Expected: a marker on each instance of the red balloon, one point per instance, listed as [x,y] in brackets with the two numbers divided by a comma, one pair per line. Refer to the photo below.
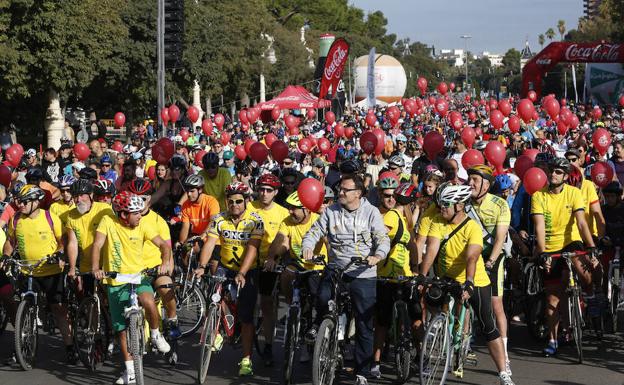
[504,107]
[199,155]
[275,113]
[184,133]
[368,142]
[14,154]
[534,180]
[117,146]
[551,105]
[496,119]
[452,86]
[311,193]
[120,119]
[535,115]
[472,115]
[225,138]
[456,120]
[174,113]
[279,151]
[291,121]
[597,113]
[330,117]
[479,132]
[348,132]
[151,173]
[81,151]
[371,119]
[601,140]
[293,131]
[270,138]
[5,176]
[566,115]
[468,136]
[248,143]
[523,163]
[219,120]
[381,140]
[531,153]
[495,154]
[305,145]
[514,124]
[240,152]
[433,144]
[258,152]
[442,88]
[526,109]
[164,115]
[324,145]
[562,127]
[242,116]
[472,158]
[563,102]
[532,95]
[163,150]
[621,101]
[339,130]
[310,114]
[573,121]
[493,104]
[422,85]
[207,127]
[431,100]
[602,174]
[192,113]
[441,107]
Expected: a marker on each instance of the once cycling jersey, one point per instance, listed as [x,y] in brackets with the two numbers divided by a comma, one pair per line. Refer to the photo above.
[452,257]
[588,191]
[235,236]
[558,211]
[84,227]
[397,263]
[151,253]
[295,233]
[198,213]
[61,209]
[271,220]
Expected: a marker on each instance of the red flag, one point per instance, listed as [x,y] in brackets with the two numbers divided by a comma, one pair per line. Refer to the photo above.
[334,65]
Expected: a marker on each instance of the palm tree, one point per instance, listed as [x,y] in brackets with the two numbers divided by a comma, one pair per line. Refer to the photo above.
[541,39]
[550,34]
[561,27]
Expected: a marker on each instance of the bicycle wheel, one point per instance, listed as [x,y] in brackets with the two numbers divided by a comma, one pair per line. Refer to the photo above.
[576,323]
[615,299]
[435,357]
[91,336]
[402,341]
[259,341]
[134,334]
[4,319]
[190,310]
[535,316]
[26,333]
[208,335]
[325,354]
[290,343]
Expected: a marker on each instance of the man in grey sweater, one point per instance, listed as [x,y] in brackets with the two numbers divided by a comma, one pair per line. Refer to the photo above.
[353,228]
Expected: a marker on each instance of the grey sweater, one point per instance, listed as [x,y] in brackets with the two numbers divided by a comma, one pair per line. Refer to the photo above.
[358,233]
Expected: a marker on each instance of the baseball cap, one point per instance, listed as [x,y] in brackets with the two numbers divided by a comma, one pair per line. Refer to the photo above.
[64,146]
[318,162]
[227,155]
[31,152]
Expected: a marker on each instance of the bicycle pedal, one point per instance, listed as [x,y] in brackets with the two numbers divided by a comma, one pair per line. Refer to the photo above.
[459,373]
[471,361]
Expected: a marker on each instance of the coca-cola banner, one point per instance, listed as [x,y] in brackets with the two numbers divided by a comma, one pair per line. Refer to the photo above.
[334,65]
[570,52]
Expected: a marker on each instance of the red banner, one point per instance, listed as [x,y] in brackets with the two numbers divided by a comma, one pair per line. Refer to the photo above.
[334,65]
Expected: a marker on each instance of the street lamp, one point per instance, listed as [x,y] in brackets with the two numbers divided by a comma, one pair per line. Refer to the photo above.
[466,37]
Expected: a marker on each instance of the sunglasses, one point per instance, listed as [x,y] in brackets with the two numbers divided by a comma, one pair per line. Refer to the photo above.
[388,196]
[346,190]
[326,201]
[265,190]
[557,171]
[105,165]
[235,201]
[393,167]
[445,205]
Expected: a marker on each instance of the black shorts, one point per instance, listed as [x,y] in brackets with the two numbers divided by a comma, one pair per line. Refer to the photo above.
[4,280]
[216,253]
[247,295]
[558,265]
[266,282]
[52,286]
[481,302]
[387,294]
[497,277]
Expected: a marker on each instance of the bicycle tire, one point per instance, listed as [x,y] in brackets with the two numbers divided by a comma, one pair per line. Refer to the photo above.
[465,341]
[325,354]
[436,345]
[26,333]
[577,327]
[190,311]
[91,337]
[402,338]
[259,342]
[536,317]
[290,343]
[615,299]
[208,335]
[135,338]
[4,319]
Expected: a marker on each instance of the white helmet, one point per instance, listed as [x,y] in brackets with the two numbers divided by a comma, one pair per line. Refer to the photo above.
[455,193]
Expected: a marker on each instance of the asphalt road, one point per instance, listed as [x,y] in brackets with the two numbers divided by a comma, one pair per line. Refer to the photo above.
[604,364]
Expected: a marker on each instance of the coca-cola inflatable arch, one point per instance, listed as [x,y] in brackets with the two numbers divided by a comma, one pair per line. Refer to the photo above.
[567,52]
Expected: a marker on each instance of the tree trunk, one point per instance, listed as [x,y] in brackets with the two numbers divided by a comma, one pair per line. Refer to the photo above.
[54,122]
[208,106]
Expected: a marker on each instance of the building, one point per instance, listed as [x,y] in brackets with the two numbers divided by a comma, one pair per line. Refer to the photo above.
[496,60]
[454,57]
[525,55]
[591,8]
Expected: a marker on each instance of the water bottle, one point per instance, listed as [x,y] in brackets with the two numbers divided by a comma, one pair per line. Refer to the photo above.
[342,325]
[228,320]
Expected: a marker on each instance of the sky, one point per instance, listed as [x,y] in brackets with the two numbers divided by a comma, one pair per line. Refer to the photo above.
[495,25]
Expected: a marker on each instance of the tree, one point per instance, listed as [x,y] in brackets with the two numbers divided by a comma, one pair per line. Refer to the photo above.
[541,40]
[561,27]
[511,62]
[550,34]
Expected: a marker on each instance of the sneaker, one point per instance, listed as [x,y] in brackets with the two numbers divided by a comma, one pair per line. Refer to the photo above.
[71,355]
[376,371]
[218,343]
[550,349]
[161,343]
[174,329]
[505,379]
[245,367]
[304,356]
[360,380]
[310,336]
[508,368]
[12,360]
[126,379]
[267,355]
[347,353]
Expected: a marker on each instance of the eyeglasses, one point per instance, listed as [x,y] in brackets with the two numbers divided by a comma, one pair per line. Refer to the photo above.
[266,190]
[105,165]
[327,201]
[346,190]
[394,167]
[572,160]
[557,171]
[445,205]
[235,201]
[388,196]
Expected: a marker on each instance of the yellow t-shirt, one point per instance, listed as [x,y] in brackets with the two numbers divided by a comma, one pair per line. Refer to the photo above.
[452,259]
[271,221]
[397,263]
[123,250]
[84,227]
[62,209]
[492,211]
[234,237]
[3,237]
[430,215]
[216,187]
[590,196]
[151,252]
[295,233]
[34,238]
[558,211]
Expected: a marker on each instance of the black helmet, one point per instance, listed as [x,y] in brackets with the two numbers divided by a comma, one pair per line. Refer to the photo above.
[544,157]
[210,160]
[178,162]
[561,163]
[350,166]
[34,174]
[81,186]
[613,188]
[88,173]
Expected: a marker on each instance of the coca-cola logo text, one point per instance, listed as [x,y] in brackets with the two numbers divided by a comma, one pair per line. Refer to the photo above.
[336,63]
[599,53]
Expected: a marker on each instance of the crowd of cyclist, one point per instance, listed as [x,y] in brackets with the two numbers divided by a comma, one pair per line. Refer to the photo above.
[401,212]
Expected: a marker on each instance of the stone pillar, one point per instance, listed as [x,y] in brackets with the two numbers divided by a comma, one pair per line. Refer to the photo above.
[54,121]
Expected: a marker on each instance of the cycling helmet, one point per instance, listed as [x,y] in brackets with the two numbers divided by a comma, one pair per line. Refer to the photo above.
[350,166]
[30,192]
[140,186]
[237,188]
[34,174]
[178,162]
[613,188]
[88,173]
[82,186]
[433,169]
[193,181]
[480,145]
[406,193]
[503,182]
[210,160]
[103,187]
[128,202]
[397,160]
[329,193]
[388,183]
[269,180]
[575,177]
[66,181]
[454,193]
[544,157]
[17,187]
[483,171]
[293,200]
[105,159]
[561,163]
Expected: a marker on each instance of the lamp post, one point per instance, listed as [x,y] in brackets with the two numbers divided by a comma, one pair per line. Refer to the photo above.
[466,37]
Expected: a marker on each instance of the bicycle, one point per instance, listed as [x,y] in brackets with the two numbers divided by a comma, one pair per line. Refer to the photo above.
[334,327]
[614,280]
[259,330]
[534,300]
[190,300]
[447,336]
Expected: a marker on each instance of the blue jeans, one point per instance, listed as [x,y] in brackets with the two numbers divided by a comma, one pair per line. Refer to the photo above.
[363,294]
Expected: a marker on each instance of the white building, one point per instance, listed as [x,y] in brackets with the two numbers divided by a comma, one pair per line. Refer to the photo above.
[454,57]
[496,60]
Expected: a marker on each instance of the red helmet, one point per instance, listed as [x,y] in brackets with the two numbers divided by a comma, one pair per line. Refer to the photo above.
[129,202]
[575,177]
[269,180]
[237,188]
[140,186]
[406,193]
